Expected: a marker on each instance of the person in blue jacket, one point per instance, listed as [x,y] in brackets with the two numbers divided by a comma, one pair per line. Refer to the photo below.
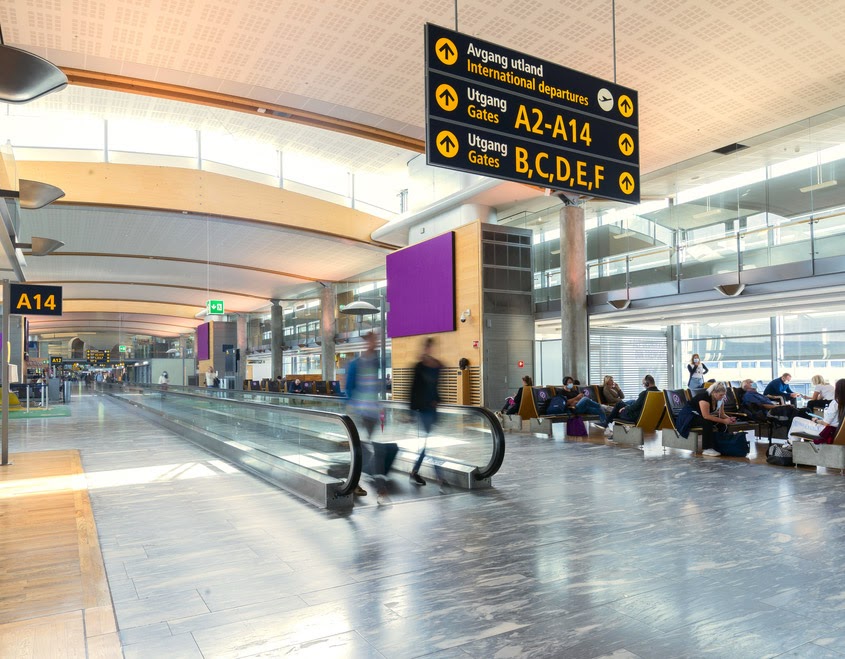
[779,388]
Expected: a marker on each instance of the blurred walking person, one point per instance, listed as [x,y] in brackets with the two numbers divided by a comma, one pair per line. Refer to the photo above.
[424,399]
[362,389]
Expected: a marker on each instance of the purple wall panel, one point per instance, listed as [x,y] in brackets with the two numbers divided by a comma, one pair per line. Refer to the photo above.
[202,342]
[421,288]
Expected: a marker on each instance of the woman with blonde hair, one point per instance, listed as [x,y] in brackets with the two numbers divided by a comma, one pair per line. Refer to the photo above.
[822,393]
[611,392]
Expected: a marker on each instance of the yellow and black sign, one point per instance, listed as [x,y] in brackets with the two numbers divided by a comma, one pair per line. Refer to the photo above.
[496,112]
[98,356]
[56,360]
[30,300]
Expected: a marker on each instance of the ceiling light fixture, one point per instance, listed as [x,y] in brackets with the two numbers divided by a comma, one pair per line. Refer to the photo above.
[819,186]
[35,194]
[710,212]
[25,76]
[359,308]
[41,246]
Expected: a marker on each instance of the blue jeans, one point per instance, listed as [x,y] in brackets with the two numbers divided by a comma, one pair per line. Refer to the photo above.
[589,406]
[427,419]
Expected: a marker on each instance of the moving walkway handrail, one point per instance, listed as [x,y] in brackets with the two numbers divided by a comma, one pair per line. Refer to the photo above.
[497,455]
[355,461]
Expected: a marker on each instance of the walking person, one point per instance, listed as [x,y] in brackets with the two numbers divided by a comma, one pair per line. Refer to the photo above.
[424,399]
[362,389]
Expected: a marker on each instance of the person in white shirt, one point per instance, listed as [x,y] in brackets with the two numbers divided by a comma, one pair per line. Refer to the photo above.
[822,394]
[832,416]
[210,376]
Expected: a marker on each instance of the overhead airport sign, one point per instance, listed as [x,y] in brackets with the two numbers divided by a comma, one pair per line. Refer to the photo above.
[497,112]
[98,356]
[56,360]
[29,300]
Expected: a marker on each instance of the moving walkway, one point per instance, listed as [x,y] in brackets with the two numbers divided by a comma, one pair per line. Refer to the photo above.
[311,445]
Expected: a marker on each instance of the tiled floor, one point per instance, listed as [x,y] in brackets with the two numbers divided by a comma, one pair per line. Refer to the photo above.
[580,550]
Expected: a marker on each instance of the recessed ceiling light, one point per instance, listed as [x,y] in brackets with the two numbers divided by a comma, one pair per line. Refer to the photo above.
[819,186]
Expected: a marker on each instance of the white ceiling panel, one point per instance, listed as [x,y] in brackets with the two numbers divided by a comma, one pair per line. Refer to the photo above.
[708,74]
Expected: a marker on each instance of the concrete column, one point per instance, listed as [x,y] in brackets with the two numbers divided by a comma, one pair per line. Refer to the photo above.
[277,337]
[328,328]
[573,293]
[241,344]
[183,358]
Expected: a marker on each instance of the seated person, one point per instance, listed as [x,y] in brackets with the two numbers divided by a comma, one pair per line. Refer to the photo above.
[832,418]
[611,392]
[751,398]
[705,409]
[779,389]
[580,404]
[822,394]
[297,387]
[511,405]
[630,410]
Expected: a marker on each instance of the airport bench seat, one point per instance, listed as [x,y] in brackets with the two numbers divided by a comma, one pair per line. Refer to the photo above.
[831,456]
[650,417]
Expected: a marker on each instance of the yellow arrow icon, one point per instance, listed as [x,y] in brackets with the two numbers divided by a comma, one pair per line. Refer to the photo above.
[626,144]
[446,51]
[447,144]
[447,97]
[626,182]
[625,105]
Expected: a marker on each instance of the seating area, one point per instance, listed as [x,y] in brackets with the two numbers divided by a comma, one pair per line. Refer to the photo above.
[657,421]
[534,403]
[831,456]
[308,385]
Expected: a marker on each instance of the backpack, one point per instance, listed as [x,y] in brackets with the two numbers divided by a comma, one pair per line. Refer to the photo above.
[779,454]
[731,443]
[557,405]
[216,382]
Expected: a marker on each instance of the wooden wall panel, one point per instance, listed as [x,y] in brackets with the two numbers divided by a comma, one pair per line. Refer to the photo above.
[173,188]
[450,347]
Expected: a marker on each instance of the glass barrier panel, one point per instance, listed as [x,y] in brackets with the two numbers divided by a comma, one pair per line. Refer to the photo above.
[654,267]
[829,237]
[709,257]
[314,441]
[607,275]
[786,243]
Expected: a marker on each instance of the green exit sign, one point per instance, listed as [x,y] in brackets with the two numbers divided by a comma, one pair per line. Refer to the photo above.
[121,348]
[215,307]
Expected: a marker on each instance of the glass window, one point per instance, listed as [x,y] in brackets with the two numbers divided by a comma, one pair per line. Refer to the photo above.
[150,137]
[315,173]
[67,133]
[246,154]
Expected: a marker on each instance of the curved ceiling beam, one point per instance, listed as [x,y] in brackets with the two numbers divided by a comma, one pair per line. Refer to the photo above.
[224,101]
[176,259]
[203,194]
[96,282]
